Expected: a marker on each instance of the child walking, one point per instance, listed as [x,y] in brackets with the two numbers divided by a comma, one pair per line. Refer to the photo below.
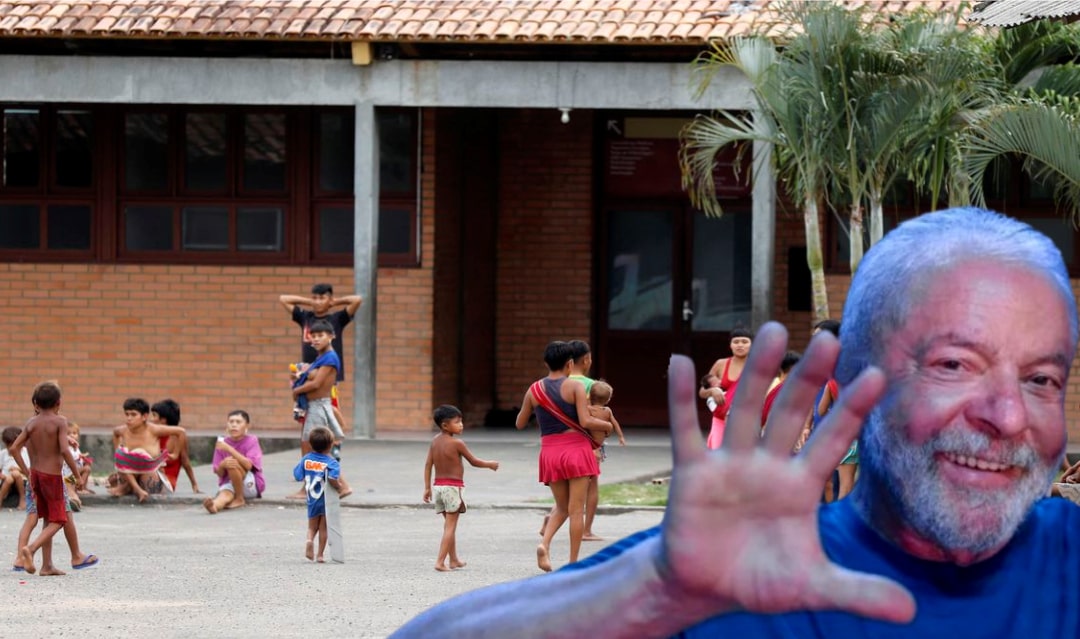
[45,437]
[445,455]
[316,469]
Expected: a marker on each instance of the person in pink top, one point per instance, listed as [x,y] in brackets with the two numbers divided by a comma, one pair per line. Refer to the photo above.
[238,465]
[728,370]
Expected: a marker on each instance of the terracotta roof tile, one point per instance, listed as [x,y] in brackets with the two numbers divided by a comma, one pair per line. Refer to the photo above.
[596,21]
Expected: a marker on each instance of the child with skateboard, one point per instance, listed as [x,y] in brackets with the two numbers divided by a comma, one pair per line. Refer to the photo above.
[316,469]
[445,455]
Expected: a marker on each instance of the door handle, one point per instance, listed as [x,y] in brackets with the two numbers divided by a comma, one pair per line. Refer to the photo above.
[687,312]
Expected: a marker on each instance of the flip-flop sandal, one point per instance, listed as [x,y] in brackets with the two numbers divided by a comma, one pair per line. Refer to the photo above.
[91,560]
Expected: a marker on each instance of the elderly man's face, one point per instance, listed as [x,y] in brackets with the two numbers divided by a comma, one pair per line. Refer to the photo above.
[973,426]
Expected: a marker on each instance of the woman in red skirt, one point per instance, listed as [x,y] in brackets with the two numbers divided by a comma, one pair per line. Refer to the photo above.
[567,461]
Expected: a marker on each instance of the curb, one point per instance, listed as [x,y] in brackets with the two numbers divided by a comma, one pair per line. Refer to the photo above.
[196,500]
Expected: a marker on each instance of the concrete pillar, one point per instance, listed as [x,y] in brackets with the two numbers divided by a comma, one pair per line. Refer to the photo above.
[763,234]
[365,268]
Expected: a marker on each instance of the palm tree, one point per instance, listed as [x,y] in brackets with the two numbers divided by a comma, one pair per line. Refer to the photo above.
[789,115]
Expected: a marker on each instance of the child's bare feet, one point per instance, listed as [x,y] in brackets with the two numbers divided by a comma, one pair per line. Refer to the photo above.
[237,502]
[542,559]
[51,571]
[441,568]
[142,495]
[26,558]
[589,536]
[309,550]
[320,560]
[21,506]
[210,506]
[457,564]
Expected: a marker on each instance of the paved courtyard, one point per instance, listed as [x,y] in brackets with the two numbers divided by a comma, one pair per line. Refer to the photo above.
[168,569]
[174,571]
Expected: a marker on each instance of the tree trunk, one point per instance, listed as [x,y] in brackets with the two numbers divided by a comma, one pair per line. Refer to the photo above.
[877,221]
[813,259]
[855,244]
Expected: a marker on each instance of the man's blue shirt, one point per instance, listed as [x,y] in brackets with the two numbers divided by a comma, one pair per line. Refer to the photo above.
[1029,590]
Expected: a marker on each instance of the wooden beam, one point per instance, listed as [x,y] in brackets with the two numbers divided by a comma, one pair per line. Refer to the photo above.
[361,53]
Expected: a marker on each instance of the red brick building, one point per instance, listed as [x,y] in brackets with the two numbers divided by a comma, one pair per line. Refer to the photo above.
[489,176]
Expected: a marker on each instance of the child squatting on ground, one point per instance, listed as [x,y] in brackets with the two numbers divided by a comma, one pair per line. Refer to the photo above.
[45,438]
[445,454]
[238,465]
[138,453]
[316,469]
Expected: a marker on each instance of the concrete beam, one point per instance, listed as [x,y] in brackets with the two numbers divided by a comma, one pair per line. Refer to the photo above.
[427,83]
[361,53]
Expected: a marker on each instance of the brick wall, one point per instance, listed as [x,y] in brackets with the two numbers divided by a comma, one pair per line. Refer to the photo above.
[544,277]
[212,337]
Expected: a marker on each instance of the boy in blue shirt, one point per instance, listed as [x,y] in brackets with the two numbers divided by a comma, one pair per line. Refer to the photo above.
[316,469]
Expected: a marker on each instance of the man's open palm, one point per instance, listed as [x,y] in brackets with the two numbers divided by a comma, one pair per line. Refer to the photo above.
[741,527]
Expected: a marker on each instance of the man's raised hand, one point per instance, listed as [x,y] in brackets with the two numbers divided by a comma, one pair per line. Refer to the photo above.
[741,527]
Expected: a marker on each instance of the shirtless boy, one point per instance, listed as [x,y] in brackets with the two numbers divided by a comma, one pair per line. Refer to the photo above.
[167,412]
[445,454]
[45,437]
[138,454]
[318,384]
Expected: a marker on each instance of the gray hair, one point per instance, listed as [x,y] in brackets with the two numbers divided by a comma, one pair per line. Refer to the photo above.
[879,299]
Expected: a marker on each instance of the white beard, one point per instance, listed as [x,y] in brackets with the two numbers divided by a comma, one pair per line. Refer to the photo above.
[955,518]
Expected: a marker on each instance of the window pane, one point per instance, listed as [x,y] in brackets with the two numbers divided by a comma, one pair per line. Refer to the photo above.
[395,231]
[640,270]
[19,226]
[74,149]
[68,226]
[204,152]
[258,229]
[336,153]
[264,152]
[146,151]
[148,228]
[397,144]
[206,228]
[720,295]
[21,147]
[336,230]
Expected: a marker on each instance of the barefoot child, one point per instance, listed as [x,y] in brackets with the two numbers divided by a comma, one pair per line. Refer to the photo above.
[167,412]
[317,384]
[238,465]
[46,439]
[445,454]
[316,469]
[139,455]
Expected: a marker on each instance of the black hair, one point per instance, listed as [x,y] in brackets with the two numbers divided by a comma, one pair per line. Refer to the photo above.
[136,404]
[242,413]
[741,332]
[10,434]
[831,325]
[168,410]
[321,326]
[578,349]
[705,380]
[46,395]
[445,413]
[791,358]
[557,354]
[321,439]
[322,289]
